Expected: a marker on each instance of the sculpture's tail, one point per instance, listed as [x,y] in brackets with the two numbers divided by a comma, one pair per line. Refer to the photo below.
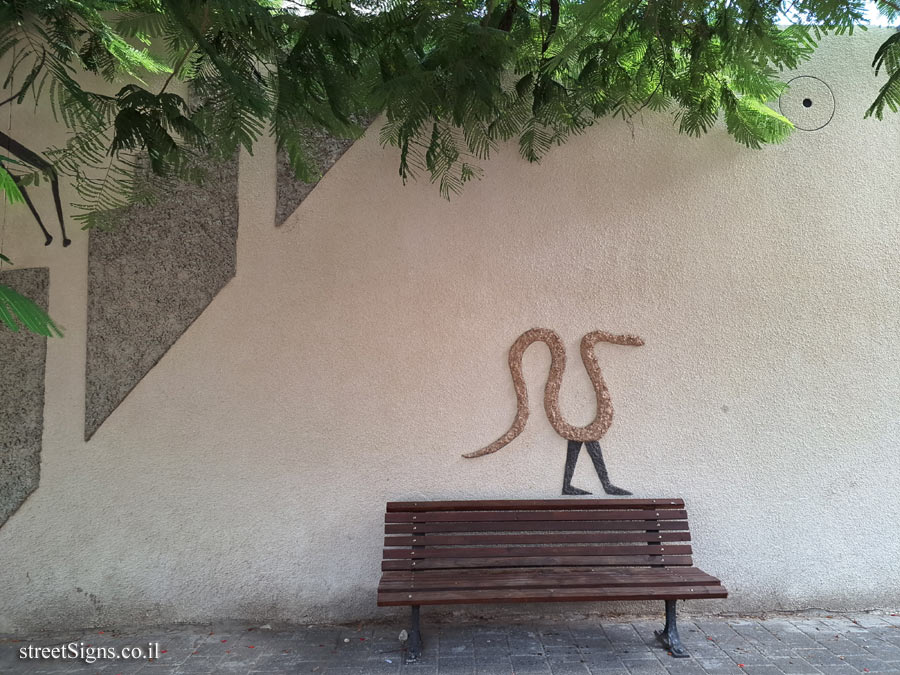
[515,368]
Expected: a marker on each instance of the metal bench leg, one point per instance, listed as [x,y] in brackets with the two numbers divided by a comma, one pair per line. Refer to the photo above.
[668,636]
[414,642]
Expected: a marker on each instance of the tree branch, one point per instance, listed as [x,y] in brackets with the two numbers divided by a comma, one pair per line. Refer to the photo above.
[554,22]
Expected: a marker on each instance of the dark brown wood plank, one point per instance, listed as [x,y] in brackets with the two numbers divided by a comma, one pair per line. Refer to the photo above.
[415,527]
[534,504]
[503,572]
[549,595]
[520,516]
[537,561]
[595,579]
[580,538]
[519,551]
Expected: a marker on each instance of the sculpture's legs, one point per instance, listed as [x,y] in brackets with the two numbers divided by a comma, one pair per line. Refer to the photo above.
[668,636]
[42,164]
[593,448]
[571,458]
[414,642]
[54,184]
[47,236]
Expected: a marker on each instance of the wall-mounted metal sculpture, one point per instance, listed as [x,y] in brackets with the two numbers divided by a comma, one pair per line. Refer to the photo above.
[35,160]
[590,434]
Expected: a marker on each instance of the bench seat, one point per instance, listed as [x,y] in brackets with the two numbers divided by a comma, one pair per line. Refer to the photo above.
[559,584]
[554,550]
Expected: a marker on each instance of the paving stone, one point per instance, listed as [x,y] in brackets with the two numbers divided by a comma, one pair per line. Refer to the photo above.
[684,667]
[795,666]
[456,665]
[492,668]
[522,664]
[884,651]
[570,668]
[766,669]
[644,667]
[721,667]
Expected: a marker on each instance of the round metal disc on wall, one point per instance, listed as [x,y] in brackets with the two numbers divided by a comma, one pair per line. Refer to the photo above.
[808,103]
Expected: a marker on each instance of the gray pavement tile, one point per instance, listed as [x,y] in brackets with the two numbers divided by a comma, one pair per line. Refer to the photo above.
[868,663]
[795,666]
[644,667]
[569,668]
[529,665]
[884,651]
[607,667]
[196,665]
[721,667]
[684,667]
[843,669]
[767,669]
[492,669]
[867,620]
[820,657]
[748,655]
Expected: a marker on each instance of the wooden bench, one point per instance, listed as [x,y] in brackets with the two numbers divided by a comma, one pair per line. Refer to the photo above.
[554,550]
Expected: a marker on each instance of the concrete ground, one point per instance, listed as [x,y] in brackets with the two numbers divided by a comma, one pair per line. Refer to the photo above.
[801,644]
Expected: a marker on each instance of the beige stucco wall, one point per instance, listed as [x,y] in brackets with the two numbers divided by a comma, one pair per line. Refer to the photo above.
[362,348]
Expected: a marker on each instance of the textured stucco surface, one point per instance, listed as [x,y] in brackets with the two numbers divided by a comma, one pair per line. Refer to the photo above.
[361,348]
[22,356]
[150,278]
[324,149]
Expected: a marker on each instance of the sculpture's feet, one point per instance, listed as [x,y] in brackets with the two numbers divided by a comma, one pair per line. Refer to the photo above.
[670,640]
[611,489]
[569,490]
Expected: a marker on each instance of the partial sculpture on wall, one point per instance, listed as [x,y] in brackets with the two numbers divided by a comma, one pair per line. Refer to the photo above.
[589,435]
[22,358]
[150,279]
[32,159]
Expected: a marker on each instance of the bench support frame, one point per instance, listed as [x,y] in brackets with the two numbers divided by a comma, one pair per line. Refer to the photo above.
[414,642]
[668,636]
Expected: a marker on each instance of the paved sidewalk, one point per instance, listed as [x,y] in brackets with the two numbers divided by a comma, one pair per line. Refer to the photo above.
[805,645]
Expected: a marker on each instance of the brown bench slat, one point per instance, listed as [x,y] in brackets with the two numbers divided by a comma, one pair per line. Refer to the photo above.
[535,504]
[593,579]
[400,575]
[518,551]
[519,516]
[416,527]
[549,595]
[537,561]
[544,538]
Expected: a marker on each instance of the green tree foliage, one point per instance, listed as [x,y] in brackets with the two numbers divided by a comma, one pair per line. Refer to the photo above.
[455,79]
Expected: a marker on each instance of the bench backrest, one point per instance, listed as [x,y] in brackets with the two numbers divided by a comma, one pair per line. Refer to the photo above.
[536,533]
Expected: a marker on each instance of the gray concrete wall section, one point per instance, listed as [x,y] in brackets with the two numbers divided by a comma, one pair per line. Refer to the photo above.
[149,279]
[22,358]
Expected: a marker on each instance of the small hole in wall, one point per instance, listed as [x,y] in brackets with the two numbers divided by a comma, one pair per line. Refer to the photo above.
[807,103]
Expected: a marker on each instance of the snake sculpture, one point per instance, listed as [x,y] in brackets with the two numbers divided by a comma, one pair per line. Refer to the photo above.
[588,435]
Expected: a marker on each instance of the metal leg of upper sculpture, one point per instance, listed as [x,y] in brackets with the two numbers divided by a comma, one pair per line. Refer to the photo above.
[668,636]
[593,448]
[571,458]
